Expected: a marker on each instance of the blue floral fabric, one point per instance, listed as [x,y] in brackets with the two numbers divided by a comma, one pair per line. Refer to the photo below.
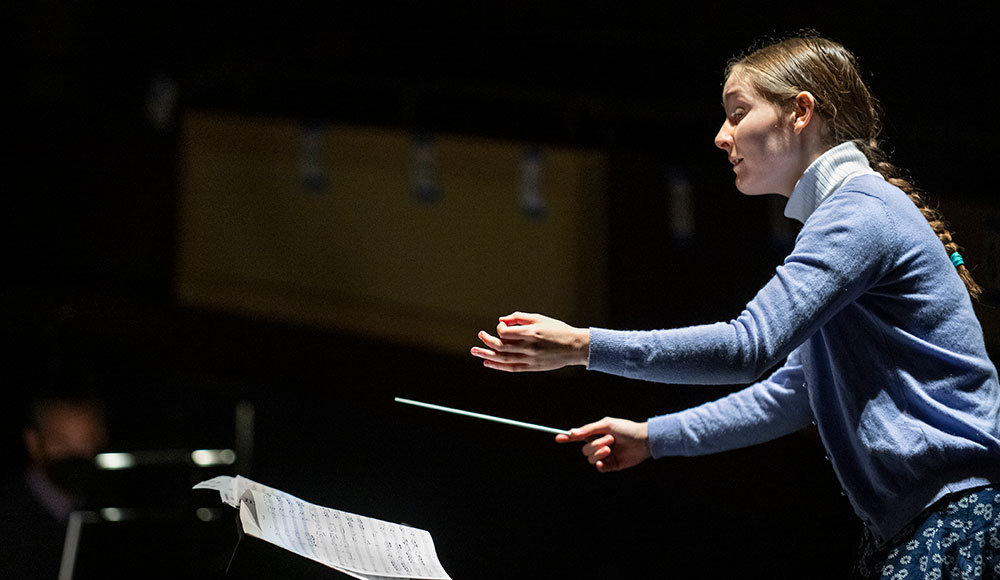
[957,539]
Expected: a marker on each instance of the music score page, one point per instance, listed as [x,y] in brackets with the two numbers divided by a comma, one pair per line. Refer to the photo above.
[362,547]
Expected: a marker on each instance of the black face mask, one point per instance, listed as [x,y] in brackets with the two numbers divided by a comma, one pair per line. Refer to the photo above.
[76,475]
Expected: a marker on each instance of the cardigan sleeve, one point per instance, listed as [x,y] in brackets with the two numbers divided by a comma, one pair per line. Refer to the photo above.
[774,407]
[842,250]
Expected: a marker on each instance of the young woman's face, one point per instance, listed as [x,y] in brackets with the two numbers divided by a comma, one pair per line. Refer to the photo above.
[760,141]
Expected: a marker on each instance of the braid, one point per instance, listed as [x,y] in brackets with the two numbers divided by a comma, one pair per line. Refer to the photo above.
[895,176]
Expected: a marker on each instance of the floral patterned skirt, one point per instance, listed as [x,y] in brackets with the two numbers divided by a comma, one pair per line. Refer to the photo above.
[957,539]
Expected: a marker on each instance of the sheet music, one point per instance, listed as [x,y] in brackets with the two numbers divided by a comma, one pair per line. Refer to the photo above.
[231,489]
[363,547]
[225,485]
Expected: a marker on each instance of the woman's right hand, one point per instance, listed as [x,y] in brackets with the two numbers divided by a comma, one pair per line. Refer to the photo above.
[533,342]
[611,444]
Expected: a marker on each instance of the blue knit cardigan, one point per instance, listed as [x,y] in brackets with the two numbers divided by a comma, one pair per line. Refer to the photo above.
[882,352]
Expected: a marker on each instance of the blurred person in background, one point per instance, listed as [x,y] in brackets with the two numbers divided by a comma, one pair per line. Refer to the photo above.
[63,433]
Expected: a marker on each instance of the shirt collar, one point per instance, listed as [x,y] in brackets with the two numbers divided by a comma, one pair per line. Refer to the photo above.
[823,176]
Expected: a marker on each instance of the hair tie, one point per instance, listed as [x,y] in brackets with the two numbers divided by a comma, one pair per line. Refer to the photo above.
[956,259]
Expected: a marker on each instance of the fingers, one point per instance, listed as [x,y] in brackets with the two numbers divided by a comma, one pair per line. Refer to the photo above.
[513,332]
[589,430]
[599,449]
[490,340]
[598,444]
[606,466]
[610,444]
[503,345]
[509,367]
[531,342]
[501,355]
[596,449]
[519,319]
[498,360]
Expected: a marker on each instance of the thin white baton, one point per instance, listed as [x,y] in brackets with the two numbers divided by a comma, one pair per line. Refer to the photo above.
[485,417]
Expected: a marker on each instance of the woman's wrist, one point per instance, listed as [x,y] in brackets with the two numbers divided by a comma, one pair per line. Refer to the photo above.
[581,345]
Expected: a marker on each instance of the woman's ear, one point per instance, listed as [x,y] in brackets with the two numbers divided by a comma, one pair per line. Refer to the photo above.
[804,110]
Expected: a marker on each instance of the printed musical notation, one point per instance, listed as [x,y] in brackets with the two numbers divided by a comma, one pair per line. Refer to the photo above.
[363,547]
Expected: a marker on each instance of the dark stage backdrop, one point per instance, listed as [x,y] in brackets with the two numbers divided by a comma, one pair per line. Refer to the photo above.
[90,233]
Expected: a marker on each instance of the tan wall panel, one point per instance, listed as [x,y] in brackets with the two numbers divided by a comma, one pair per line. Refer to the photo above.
[364,255]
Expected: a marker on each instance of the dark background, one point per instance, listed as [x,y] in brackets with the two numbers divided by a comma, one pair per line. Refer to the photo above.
[89,235]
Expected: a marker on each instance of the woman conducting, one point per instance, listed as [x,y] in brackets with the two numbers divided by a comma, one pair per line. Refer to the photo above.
[871,313]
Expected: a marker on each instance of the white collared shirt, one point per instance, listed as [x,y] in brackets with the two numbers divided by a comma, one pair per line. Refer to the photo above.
[823,176]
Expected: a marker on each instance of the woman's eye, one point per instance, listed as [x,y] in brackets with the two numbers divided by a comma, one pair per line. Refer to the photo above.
[738,114]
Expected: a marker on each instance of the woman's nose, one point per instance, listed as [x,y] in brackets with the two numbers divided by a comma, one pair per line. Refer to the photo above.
[724,139]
